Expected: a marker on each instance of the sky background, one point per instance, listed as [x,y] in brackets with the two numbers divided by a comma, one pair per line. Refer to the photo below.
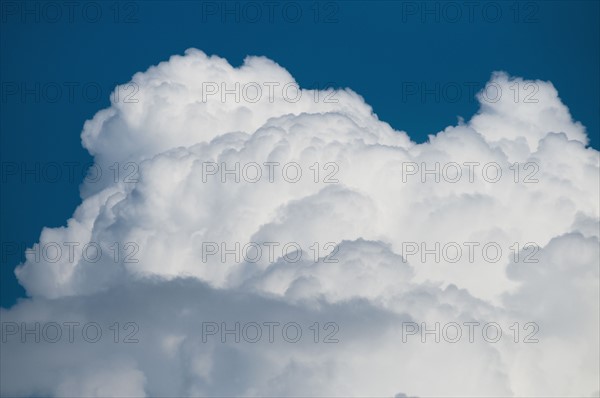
[376,48]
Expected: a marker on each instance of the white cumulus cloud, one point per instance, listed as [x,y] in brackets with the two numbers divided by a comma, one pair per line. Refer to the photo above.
[361,236]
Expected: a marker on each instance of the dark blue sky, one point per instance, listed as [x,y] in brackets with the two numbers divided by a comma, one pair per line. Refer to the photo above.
[59,65]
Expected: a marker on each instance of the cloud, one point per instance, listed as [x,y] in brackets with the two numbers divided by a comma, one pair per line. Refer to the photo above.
[337,220]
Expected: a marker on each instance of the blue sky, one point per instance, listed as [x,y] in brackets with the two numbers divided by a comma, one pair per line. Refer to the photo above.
[379,49]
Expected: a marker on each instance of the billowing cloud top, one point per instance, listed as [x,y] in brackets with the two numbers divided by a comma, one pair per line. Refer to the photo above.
[362,215]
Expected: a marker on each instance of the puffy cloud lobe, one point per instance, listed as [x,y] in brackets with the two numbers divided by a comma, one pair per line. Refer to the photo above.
[175,108]
[515,112]
[368,216]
